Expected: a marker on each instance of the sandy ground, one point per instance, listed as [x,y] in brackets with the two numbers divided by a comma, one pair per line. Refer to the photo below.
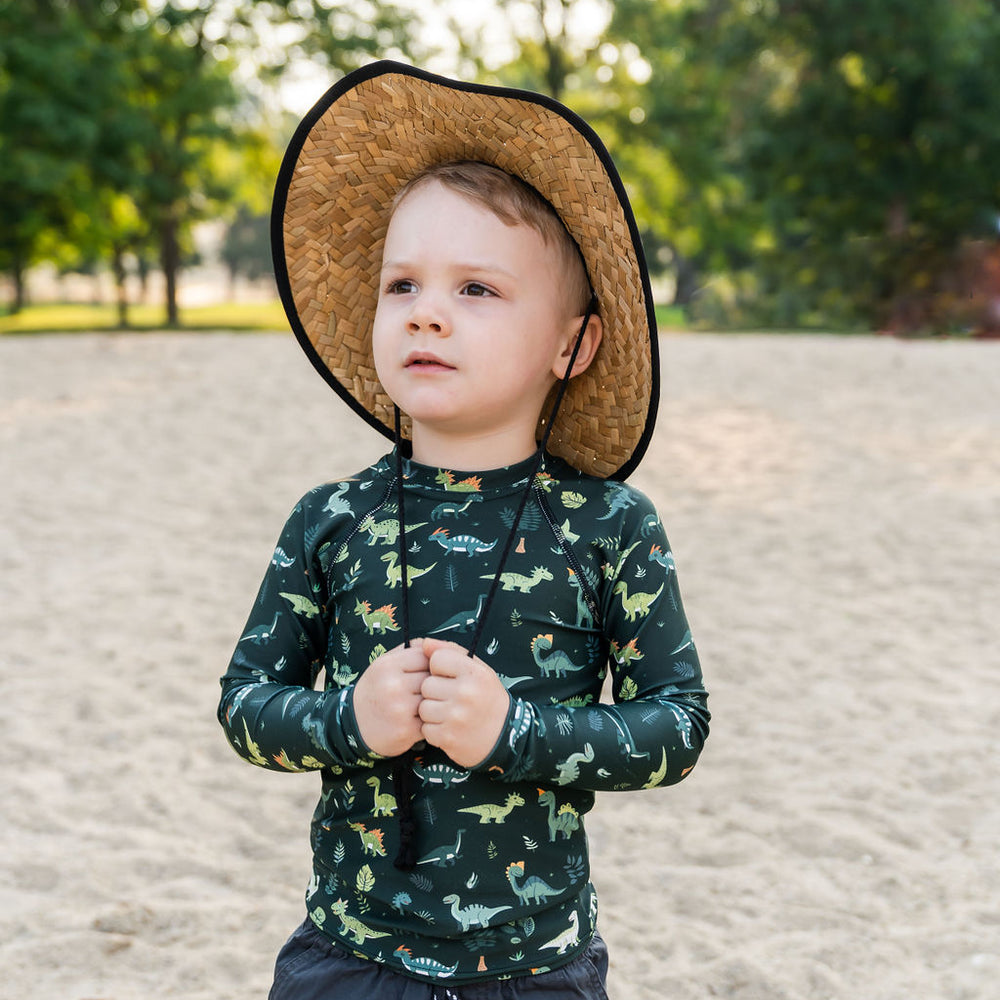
[833,505]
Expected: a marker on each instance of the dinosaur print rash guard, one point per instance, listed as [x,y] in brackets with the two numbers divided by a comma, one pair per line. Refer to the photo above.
[501,886]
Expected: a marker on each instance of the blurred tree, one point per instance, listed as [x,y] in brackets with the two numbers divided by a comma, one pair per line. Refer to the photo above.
[875,152]
[48,114]
[246,249]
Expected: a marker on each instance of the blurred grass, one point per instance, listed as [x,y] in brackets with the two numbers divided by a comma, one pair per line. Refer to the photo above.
[248,316]
[77,318]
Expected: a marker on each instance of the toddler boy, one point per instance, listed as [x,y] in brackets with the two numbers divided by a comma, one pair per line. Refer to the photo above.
[461,264]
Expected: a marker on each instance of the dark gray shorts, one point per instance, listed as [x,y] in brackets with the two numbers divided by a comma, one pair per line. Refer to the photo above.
[309,967]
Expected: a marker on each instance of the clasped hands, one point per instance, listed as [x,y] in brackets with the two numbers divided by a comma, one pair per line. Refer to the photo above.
[434,691]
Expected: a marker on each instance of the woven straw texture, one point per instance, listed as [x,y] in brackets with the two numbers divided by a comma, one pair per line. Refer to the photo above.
[380,134]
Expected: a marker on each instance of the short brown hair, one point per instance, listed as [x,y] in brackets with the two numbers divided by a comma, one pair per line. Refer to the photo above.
[513,202]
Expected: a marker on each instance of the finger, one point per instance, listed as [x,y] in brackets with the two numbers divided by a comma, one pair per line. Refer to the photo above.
[431,712]
[449,663]
[431,646]
[436,688]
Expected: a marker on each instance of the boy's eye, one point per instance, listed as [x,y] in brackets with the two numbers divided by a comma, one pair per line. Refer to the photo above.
[474,288]
[402,286]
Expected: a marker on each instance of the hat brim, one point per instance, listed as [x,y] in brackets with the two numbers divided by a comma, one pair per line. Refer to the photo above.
[374,131]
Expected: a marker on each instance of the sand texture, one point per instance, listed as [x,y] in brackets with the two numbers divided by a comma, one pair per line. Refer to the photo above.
[834,509]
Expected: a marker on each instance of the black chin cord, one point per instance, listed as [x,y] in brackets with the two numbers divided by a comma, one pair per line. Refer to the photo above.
[402,769]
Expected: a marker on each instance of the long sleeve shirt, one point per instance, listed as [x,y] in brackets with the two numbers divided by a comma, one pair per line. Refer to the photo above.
[501,886]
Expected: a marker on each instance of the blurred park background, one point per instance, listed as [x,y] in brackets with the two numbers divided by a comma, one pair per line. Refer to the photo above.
[794,164]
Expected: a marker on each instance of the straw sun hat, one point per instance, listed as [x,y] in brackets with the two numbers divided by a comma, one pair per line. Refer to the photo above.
[379,127]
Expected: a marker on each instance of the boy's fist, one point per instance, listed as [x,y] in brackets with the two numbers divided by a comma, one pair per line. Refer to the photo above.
[387,700]
[464,704]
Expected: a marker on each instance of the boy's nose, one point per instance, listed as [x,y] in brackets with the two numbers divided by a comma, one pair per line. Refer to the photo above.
[425,316]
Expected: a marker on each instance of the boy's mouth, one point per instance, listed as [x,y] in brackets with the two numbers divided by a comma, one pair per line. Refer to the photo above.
[423,361]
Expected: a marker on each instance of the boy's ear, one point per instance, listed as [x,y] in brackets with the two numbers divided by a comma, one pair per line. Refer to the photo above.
[589,344]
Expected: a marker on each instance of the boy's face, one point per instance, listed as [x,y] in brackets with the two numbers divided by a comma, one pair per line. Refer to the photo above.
[471,323]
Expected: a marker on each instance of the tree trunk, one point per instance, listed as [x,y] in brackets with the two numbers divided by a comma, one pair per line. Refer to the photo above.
[118,269]
[170,262]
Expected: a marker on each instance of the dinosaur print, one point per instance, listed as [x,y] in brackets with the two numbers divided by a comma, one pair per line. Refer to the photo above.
[467,544]
[568,939]
[401,901]
[522,584]
[424,966]
[569,769]
[656,777]
[636,605]
[262,633]
[566,821]
[626,741]
[665,559]
[372,841]
[618,499]
[386,531]
[438,774]
[336,504]
[394,572]
[463,621]
[385,803]
[446,479]
[453,509]
[349,925]
[341,674]
[281,559]
[253,749]
[473,915]
[446,854]
[624,655]
[490,812]
[532,889]
[301,605]
[584,618]
[380,620]
[556,663]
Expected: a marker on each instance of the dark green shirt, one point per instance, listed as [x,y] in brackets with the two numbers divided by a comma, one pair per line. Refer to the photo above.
[501,886]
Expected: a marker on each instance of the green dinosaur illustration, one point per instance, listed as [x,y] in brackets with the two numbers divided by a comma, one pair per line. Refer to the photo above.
[424,966]
[385,803]
[438,774]
[557,663]
[473,915]
[253,749]
[618,498]
[446,854]
[569,769]
[531,890]
[352,926]
[636,605]
[371,840]
[656,777]
[394,572]
[446,479]
[566,821]
[386,531]
[341,674]
[625,654]
[490,812]
[584,618]
[519,582]
[336,504]
[448,509]
[301,605]
[568,939]
[467,544]
[380,620]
